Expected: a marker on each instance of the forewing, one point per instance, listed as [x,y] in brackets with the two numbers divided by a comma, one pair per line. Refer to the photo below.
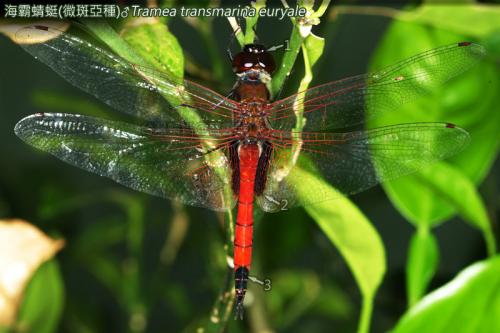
[351,101]
[168,163]
[140,91]
[355,161]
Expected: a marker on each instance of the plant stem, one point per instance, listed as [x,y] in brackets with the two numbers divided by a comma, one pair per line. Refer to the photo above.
[288,61]
[366,314]
[491,246]
[238,33]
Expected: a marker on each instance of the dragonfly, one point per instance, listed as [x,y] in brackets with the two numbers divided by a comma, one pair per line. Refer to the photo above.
[244,149]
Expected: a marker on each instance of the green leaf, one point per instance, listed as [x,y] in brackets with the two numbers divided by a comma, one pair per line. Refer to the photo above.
[142,53]
[43,301]
[154,43]
[422,263]
[315,46]
[466,101]
[110,37]
[358,242]
[453,186]
[470,303]
[473,20]
[353,235]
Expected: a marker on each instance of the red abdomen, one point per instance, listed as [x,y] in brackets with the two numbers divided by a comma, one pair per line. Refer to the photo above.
[248,161]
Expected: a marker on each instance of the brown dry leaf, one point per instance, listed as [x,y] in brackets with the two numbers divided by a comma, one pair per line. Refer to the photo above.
[23,248]
[11,30]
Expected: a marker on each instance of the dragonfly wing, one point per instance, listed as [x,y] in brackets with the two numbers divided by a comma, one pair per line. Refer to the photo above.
[353,100]
[355,161]
[166,163]
[140,91]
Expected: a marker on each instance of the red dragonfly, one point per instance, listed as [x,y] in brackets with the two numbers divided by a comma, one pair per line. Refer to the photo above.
[207,150]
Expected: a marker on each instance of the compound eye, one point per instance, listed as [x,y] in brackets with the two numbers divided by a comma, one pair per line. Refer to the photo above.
[253,56]
[266,61]
[243,61]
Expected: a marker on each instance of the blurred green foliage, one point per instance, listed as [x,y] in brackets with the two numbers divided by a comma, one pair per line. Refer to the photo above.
[430,197]
[38,312]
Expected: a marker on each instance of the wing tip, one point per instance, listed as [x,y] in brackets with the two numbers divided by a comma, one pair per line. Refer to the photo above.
[20,125]
[463,138]
[21,129]
[474,48]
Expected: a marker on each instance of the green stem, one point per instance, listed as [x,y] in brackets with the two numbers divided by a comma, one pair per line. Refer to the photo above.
[223,306]
[491,245]
[304,84]
[132,272]
[251,22]
[322,8]
[288,61]
[366,314]
[222,309]
[422,262]
[238,33]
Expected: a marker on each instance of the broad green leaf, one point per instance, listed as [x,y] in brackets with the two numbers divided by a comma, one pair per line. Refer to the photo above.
[470,303]
[110,37]
[422,263]
[43,301]
[154,42]
[353,235]
[473,20]
[467,101]
[453,186]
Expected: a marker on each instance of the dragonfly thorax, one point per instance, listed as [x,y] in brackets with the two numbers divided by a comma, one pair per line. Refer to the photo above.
[252,129]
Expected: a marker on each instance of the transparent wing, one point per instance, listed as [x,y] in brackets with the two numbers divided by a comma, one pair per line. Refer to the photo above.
[351,101]
[142,92]
[355,161]
[170,163]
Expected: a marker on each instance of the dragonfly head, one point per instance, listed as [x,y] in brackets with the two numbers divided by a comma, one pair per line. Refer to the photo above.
[254,57]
